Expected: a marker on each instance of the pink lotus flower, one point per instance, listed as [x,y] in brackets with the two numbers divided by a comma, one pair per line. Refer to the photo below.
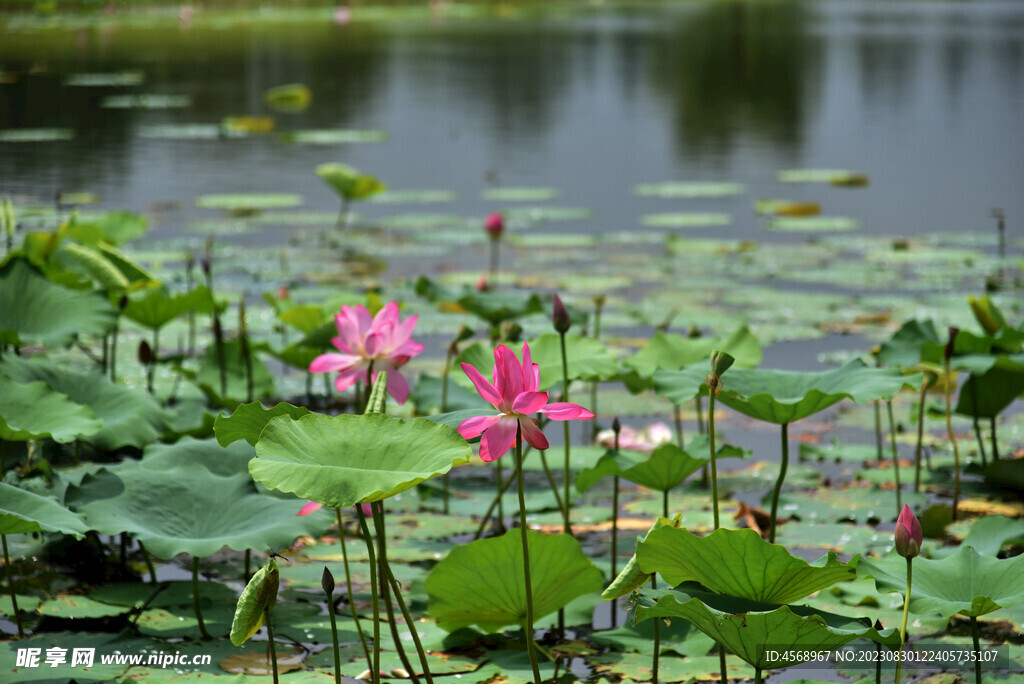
[314,506]
[495,226]
[382,340]
[514,392]
[630,439]
[909,535]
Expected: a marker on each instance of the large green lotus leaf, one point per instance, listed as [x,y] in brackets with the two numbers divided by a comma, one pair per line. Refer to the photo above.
[987,394]
[22,511]
[906,346]
[781,397]
[248,420]
[498,307]
[33,309]
[344,460]
[35,410]
[852,504]
[118,227]
[682,385]
[965,582]
[747,633]
[348,183]
[224,461]
[130,417]
[102,643]
[156,308]
[426,395]
[182,507]
[987,536]
[481,583]
[663,469]
[737,563]
[670,351]
[632,577]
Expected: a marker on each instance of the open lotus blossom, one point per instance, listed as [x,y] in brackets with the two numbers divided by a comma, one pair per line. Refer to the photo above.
[514,392]
[630,439]
[382,340]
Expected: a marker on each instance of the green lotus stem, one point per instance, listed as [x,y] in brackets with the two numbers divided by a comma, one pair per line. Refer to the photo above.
[342,221]
[567,475]
[714,465]
[920,436]
[528,586]
[104,360]
[778,483]
[906,610]
[243,347]
[615,534]
[270,641]
[10,587]
[977,649]
[501,504]
[757,675]
[196,599]
[369,386]
[375,673]
[995,447]
[977,425]
[151,367]
[334,632]
[952,440]
[677,418]
[248,564]
[385,591]
[700,416]
[378,522]
[348,586]
[493,270]
[149,564]
[657,638]
[878,429]
[895,456]
[444,409]
[190,264]
[724,677]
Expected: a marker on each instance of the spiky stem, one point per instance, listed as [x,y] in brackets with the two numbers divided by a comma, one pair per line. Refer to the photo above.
[712,452]
[895,456]
[903,625]
[977,649]
[567,503]
[375,673]
[270,641]
[920,436]
[348,586]
[778,483]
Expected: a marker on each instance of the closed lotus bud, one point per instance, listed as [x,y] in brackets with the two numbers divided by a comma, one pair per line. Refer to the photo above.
[720,362]
[908,535]
[495,226]
[482,285]
[953,332]
[560,316]
[145,353]
[616,425]
[282,292]
[327,581]
[122,303]
[399,673]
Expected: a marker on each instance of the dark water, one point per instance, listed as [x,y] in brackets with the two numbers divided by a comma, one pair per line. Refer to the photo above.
[927,98]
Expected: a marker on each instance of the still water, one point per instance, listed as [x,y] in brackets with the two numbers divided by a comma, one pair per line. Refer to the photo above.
[926,98]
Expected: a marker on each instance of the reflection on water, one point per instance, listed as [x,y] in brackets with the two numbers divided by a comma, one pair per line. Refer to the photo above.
[924,97]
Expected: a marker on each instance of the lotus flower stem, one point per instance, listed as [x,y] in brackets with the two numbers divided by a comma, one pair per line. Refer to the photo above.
[196,599]
[501,504]
[328,585]
[657,637]
[375,667]
[190,265]
[243,346]
[677,418]
[493,270]
[757,675]
[151,366]
[10,587]
[385,591]
[378,522]
[502,486]
[878,430]
[528,587]
[567,473]
[920,436]
[444,409]
[895,456]
[778,483]
[615,526]
[906,610]
[342,215]
[977,424]
[977,650]
[270,641]
[714,466]
[952,440]
[992,429]
[149,564]
[348,586]
[700,416]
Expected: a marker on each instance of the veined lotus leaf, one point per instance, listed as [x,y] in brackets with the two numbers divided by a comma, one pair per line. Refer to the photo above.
[259,595]
[748,630]
[35,410]
[782,397]
[305,318]
[632,577]
[426,395]
[179,506]
[682,385]
[248,420]
[157,308]
[22,511]
[669,351]
[33,309]
[481,583]
[988,393]
[738,563]
[226,461]
[905,348]
[498,307]
[130,417]
[117,227]
[663,469]
[348,183]
[965,582]
[343,460]
[987,536]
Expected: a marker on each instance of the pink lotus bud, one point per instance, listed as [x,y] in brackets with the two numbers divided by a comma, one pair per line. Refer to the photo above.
[482,285]
[309,508]
[560,316]
[953,332]
[908,535]
[495,225]
[367,508]
[327,580]
[282,292]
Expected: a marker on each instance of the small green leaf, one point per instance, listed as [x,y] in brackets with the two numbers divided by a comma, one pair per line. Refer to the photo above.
[248,420]
[348,183]
[22,511]
[259,595]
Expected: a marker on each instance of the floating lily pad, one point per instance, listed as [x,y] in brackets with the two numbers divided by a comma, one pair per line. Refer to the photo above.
[520,194]
[682,189]
[26,135]
[685,220]
[414,197]
[329,136]
[786,208]
[813,224]
[851,504]
[188,132]
[146,101]
[69,606]
[534,215]
[832,176]
[116,79]
[252,202]
[291,97]
[481,583]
